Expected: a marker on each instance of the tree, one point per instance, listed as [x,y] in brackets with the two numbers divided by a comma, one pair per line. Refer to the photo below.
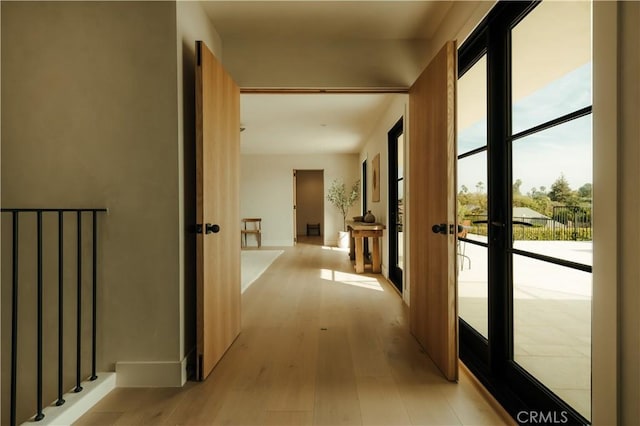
[561,191]
[516,187]
[585,190]
[343,199]
[471,203]
[520,200]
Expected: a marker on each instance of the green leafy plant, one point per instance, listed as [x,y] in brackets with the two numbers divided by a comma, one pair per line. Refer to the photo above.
[343,199]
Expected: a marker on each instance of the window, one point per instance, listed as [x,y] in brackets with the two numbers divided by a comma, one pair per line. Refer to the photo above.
[525,329]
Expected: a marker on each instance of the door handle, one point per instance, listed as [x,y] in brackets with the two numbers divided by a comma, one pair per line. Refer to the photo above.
[211,229]
[442,228]
[439,229]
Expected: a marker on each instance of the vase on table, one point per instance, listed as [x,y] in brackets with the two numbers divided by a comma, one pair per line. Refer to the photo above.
[369,217]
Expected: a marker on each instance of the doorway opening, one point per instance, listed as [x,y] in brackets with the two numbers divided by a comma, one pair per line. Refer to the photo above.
[308,213]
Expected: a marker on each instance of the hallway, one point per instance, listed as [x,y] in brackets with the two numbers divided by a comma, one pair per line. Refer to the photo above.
[319,345]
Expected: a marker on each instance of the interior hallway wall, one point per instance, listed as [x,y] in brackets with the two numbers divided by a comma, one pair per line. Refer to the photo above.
[266,191]
[377,143]
[628,226]
[89,101]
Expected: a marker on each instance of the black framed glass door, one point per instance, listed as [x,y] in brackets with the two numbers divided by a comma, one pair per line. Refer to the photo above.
[365,204]
[524,201]
[396,203]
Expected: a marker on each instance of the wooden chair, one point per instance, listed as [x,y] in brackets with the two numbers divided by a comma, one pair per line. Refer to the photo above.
[251,225]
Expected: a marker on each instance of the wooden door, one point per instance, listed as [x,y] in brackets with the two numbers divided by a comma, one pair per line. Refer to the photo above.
[218,210]
[432,177]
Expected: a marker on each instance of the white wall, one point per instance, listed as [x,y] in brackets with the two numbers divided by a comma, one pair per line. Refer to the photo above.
[377,143]
[629,208]
[605,336]
[266,191]
[616,229]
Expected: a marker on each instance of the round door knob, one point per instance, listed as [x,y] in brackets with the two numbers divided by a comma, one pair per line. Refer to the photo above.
[209,228]
[439,228]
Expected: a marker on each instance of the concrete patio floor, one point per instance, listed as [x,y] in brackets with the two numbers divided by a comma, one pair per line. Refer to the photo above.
[552,313]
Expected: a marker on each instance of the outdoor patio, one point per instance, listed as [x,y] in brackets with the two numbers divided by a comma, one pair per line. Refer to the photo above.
[552,313]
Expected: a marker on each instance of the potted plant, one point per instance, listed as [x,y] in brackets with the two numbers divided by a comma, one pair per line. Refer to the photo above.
[343,199]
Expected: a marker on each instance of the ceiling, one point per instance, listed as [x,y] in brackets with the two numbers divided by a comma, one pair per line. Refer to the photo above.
[309,123]
[320,44]
[326,20]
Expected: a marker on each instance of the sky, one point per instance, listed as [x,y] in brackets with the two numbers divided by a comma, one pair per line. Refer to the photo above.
[538,160]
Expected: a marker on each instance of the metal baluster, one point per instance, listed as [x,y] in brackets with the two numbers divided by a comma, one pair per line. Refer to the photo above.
[39,413]
[13,403]
[60,400]
[94,303]
[14,319]
[79,307]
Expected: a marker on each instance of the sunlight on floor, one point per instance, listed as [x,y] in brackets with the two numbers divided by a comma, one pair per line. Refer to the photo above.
[333,248]
[370,283]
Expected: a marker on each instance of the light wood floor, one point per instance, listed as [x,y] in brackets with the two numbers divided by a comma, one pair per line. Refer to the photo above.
[320,346]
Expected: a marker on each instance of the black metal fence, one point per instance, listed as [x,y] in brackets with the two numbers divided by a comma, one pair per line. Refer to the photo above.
[21,222]
[572,222]
[568,223]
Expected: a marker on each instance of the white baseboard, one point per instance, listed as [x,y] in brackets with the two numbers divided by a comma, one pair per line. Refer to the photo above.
[76,404]
[151,374]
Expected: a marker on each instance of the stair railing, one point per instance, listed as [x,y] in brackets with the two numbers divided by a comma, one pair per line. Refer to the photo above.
[78,214]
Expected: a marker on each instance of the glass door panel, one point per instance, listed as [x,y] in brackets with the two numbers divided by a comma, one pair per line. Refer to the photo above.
[525,171]
[472,107]
[552,326]
[551,169]
[552,175]
[472,256]
[551,63]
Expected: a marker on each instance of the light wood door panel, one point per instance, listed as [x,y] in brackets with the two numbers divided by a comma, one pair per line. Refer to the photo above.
[217,198]
[432,174]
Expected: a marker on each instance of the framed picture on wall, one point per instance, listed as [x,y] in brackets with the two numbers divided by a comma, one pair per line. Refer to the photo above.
[375,187]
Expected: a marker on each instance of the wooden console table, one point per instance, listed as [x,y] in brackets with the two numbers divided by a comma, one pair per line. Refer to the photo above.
[358,231]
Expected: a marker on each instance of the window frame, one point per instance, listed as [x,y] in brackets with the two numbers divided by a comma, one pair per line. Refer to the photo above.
[492,360]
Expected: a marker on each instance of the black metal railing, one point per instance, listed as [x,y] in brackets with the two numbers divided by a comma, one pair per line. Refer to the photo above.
[568,223]
[17,283]
[572,222]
